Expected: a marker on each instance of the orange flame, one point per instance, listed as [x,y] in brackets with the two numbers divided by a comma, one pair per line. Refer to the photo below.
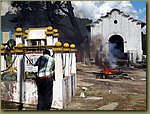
[107,70]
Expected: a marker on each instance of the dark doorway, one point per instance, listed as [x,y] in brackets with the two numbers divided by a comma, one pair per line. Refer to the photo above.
[116,46]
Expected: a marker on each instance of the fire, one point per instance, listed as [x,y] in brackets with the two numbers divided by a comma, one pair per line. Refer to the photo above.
[107,70]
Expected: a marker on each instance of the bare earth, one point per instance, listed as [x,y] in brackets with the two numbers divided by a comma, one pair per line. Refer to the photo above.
[128,93]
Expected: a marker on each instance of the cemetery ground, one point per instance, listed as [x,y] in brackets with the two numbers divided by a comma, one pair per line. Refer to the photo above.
[127,93]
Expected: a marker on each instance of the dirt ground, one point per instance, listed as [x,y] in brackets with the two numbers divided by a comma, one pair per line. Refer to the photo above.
[127,93]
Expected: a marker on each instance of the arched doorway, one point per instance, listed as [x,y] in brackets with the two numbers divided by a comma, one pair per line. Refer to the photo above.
[116,46]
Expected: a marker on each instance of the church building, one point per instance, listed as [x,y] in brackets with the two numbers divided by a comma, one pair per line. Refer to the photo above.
[116,36]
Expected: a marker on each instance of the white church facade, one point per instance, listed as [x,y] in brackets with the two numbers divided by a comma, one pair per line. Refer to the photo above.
[116,35]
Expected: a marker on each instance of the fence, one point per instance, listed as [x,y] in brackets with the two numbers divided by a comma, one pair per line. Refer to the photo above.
[23,89]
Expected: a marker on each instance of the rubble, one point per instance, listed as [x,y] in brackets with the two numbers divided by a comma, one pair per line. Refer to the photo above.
[126,93]
[94,98]
[84,88]
[82,95]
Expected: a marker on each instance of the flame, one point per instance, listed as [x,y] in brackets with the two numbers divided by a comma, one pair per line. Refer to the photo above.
[107,70]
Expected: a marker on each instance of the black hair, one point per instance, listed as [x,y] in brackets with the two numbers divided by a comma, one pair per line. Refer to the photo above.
[46,51]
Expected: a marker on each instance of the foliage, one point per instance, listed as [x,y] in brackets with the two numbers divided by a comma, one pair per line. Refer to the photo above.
[53,11]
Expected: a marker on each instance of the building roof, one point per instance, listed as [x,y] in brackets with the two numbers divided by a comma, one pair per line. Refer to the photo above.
[121,13]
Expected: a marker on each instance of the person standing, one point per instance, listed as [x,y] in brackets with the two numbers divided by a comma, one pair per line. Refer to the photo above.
[44,80]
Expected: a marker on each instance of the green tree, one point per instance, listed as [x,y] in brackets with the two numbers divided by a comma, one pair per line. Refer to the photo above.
[24,9]
[54,11]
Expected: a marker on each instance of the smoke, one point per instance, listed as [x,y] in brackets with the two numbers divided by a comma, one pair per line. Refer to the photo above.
[102,56]
[98,52]
[114,54]
[111,57]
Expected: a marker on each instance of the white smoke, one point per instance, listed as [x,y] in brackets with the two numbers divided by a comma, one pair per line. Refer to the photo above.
[111,58]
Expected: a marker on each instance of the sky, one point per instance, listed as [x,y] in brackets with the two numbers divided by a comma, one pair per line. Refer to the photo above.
[94,9]
[141,7]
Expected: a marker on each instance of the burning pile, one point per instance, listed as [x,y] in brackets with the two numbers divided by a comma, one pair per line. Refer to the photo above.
[108,72]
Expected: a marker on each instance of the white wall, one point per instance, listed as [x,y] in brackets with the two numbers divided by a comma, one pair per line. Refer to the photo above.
[129,30]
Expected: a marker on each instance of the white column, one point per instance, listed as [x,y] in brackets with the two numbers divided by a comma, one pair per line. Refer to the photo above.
[58,66]
[25,42]
[20,77]
[15,62]
[68,74]
[42,42]
[64,59]
[55,36]
[18,40]
[67,64]
[55,39]
[73,71]
[58,85]
[3,63]
[73,66]
[50,41]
